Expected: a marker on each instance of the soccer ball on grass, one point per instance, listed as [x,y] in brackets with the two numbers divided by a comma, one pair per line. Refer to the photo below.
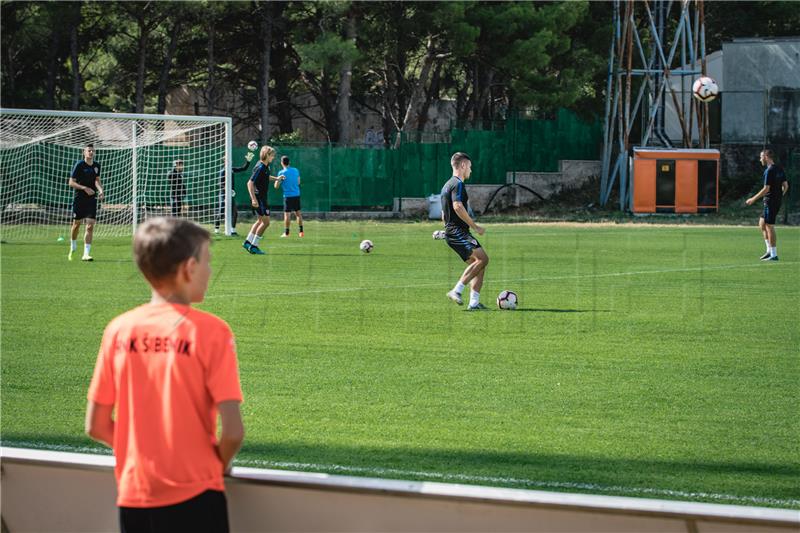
[366,246]
[507,300]
[252,145]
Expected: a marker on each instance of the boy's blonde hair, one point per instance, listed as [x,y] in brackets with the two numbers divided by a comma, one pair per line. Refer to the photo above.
[266,151]
[161,244]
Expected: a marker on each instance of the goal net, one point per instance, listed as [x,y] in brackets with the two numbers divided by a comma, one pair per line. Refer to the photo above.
[137,156]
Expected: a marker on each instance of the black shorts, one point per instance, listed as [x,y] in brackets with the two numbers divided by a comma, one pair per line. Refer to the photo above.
[463,243]
[291,204]
[84,207]
[263,208]
[205,512]
[771,212]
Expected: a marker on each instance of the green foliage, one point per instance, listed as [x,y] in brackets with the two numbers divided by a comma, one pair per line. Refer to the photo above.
[287,139]
[635,362]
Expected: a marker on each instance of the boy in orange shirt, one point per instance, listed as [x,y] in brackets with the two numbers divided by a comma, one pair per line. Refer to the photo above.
[164,372]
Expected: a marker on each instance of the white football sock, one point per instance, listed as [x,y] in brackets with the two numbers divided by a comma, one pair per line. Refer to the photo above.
[250,237]
[86,249]
[459,288]
[73,245]
[767,243]
[773,251]
[474,298]
[256,240]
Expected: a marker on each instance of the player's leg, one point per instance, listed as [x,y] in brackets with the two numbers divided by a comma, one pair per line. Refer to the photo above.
[762,226]
[773,240]
[263,224]
[481,260]
[286,222]
[220,212]
[234,217]
[87,239]
[73,237]
[770,216]
[299,216]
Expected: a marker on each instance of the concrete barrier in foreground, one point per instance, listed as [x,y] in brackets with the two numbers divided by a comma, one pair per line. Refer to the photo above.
[58,491]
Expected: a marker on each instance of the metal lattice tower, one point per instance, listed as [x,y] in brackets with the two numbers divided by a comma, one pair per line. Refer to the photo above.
[640,67]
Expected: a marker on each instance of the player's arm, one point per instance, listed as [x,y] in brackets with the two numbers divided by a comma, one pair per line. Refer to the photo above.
[462,213]
[100,423]
[251,188]
[99,187]
[785,187]
[764,190]
[231,433]
[277,184]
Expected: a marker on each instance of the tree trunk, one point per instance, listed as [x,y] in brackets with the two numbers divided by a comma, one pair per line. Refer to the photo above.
[281,68]
[77,80]
[211,96]
[266,47]
[388,118]
[410,122]
[344,119]
[163,82]
[144,34]
[430,95]
[52,62]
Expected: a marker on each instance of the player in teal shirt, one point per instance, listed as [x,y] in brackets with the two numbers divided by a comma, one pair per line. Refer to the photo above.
[290,183]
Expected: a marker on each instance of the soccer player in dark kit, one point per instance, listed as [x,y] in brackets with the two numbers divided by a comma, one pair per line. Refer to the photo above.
[85,179]
[775,186]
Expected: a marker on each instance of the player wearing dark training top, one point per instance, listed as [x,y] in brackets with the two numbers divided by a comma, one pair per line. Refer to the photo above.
[222,198]
[258,187]
[85,179]
[177,187]
[775,187]
[457,227]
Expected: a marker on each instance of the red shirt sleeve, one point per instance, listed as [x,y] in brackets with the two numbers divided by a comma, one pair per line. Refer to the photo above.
[102,389]
[222,372]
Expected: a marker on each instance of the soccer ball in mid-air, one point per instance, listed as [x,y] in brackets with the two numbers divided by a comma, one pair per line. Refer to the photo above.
[438,234]
[705,89]
[507,300]
[252,145]
[366,246]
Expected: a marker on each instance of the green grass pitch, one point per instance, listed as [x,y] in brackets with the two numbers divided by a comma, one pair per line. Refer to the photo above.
[644,361]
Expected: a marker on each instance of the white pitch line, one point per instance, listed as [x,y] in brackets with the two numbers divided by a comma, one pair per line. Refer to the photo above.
[502,280]
[443,477]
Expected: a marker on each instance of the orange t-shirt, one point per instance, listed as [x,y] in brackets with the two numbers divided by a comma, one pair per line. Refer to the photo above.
[165,367]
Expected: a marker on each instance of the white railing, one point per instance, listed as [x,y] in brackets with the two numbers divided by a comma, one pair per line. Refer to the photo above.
[57,491]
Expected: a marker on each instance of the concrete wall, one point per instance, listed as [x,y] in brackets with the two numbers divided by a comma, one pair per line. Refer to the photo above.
[751,67]
[63,492]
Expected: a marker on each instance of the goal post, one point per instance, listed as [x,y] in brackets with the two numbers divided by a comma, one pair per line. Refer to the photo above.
[137,154]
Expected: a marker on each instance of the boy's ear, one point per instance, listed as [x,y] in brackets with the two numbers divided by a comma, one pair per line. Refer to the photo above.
[187,268]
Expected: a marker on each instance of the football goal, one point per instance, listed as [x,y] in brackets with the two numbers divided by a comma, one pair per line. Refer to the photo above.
[137,156]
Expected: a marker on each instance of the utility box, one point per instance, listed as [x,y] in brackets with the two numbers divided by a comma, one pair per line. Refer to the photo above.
[675,181]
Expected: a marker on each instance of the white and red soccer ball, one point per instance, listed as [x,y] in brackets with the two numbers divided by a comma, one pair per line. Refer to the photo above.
[705,89]
[252,145]
[507,300]
[366,246]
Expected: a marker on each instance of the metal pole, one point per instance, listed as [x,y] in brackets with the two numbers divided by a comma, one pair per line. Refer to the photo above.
[134,179]
[229,205]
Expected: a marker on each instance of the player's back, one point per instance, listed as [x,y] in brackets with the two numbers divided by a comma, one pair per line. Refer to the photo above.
[260,179]
[166,366]
[291,182]
[774,176]
[453,191]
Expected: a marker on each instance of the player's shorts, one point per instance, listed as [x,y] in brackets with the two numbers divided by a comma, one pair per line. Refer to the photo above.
[207,511]
[84,207]
[462,243]
[291,203]
[263,208]
[771,212]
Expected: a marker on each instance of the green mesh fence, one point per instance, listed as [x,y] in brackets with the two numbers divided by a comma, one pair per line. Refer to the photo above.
[368,178]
